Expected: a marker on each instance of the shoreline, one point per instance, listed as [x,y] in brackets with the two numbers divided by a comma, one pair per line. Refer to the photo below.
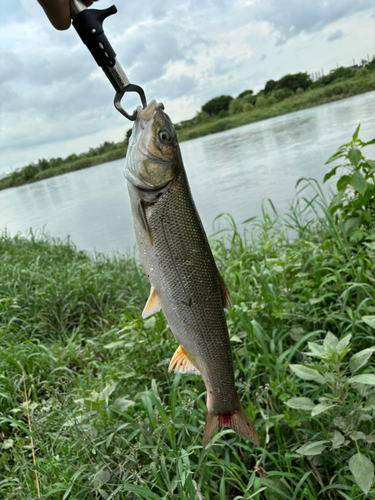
[309,99]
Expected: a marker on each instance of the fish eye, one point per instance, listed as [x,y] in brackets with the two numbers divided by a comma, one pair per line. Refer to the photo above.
[164,136]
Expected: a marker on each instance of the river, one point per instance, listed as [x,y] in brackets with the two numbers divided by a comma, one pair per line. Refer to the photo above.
[228,172]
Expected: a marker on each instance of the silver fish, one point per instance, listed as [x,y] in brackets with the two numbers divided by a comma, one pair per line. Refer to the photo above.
[185,282]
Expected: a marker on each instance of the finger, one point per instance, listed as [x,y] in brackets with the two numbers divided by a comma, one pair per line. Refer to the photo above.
[58,13]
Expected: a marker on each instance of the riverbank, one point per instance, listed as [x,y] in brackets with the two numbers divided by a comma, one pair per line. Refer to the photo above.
[109,151]
[308,99]
[109,421]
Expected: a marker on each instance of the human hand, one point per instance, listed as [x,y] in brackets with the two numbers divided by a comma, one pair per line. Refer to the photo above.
[58,12]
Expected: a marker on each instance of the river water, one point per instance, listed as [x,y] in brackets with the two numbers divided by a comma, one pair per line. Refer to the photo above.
[228,172]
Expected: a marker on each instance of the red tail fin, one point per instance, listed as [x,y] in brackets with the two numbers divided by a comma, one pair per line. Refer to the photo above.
[237,420]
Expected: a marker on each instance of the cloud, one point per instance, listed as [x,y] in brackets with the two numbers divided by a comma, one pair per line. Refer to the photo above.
[292,17]
[183,53]
[335,35]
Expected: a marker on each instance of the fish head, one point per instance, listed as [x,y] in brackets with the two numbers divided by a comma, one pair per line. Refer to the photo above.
[153,158]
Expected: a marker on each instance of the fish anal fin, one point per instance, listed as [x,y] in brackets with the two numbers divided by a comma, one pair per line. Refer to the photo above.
[225,295]
[181,363]
[236,420]
[141,218]
[152,305]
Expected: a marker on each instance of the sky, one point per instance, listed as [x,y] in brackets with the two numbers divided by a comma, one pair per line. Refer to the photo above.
[55,100]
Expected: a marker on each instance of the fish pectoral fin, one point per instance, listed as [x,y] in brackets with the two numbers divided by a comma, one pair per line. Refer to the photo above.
[152,306]
[225,295]
[181,363]
[141,218]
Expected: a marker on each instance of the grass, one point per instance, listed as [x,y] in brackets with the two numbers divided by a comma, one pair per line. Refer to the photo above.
[191,130]
[109,422]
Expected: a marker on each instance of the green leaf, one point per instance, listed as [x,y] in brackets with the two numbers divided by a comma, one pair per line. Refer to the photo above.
[330,342]
[363,471]
[354,156]
[369,320]
[307,373]
[355,135]
[321,407]
[360,358]
[312,448]
[369,164]
[342,182]
[351,224]
[91,405]
[337,440]
[355,435]
[359,183]
[365,378]
[336,201]
[316,350]
[330,174]
[301,403]
[123,404]
[343,343]
[8,443]
[370,403]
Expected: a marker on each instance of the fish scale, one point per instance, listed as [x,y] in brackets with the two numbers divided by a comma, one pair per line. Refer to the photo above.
[177,258]
[180,267]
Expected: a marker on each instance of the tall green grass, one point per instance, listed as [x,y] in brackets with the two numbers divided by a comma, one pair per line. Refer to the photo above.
[109,421]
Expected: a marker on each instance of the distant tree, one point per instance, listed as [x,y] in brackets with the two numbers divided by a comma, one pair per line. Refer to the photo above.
[245,93]
[214,106]
[293,82]
[43,164]
[270,85]
[28,172]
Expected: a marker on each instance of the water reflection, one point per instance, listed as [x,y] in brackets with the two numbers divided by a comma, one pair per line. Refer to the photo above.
[228,172]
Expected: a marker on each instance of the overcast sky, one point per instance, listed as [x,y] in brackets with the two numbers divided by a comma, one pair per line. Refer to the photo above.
[56,101]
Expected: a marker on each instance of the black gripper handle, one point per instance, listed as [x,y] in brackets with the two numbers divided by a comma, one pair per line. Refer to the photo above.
[89,26]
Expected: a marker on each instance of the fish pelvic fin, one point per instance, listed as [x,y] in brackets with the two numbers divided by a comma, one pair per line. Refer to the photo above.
[236,420]
[181,363]
[225,295]
[152,306]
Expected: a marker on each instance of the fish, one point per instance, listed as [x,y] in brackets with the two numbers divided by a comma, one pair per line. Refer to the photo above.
[185,282]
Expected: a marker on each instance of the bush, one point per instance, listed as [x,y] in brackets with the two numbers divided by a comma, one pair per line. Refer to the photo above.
[261,102]
[28,172]
[282,94]
[362,73]
[299,91]
[354,200]
[236,106]
[247,107]
[202,117]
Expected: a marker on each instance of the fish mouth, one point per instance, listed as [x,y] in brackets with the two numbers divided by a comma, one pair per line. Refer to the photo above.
[148,112]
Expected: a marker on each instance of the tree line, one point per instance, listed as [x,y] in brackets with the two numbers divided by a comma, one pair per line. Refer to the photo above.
[275,91]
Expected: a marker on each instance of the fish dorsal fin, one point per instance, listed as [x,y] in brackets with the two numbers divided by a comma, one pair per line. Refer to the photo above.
[181,363]
[225,295]
[141,218]
[152,305]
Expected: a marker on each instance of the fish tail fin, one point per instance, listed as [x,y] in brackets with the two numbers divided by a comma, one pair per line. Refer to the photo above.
[236,420]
